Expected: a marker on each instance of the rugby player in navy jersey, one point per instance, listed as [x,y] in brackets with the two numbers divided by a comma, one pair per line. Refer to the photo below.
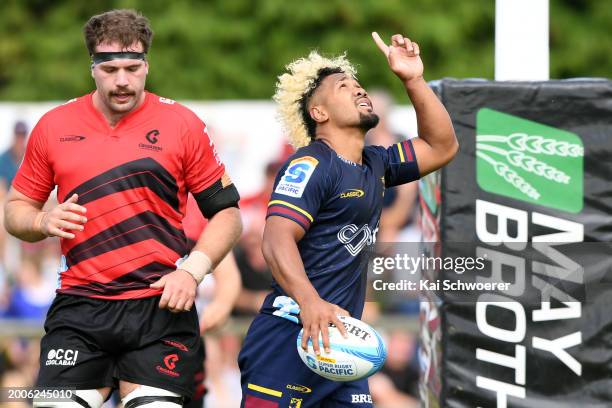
[324,211]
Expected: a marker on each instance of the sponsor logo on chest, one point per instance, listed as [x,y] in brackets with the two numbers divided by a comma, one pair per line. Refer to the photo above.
[352,193]
[71,138]
[152,137]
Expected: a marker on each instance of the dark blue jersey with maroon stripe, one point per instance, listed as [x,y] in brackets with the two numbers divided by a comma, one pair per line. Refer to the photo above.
[338,203]
[133,179]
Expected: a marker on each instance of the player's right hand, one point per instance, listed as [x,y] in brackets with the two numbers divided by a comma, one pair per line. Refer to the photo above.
[402,55]
[63,218]
[316,315]
[179,291]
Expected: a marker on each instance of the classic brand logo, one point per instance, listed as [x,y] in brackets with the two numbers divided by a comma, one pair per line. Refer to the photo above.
[352,193]
[72,138]
[299,388]
[529,161]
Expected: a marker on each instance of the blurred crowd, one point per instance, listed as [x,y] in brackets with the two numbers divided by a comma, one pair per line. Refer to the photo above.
[28,278]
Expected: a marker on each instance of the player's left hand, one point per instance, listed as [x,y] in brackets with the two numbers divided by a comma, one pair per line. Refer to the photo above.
[402,55]
[179,291]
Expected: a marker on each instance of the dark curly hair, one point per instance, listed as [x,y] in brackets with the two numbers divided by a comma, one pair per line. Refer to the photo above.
[122,26]
[311,125]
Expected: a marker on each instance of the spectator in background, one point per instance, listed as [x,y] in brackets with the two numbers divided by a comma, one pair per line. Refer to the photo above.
[397,384]
[254,207]
[18,364]
[32,294]
[256,276]
[11,158]
[4,287]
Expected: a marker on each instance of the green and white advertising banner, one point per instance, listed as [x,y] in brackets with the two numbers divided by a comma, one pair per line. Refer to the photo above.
[529,161]
[529,196]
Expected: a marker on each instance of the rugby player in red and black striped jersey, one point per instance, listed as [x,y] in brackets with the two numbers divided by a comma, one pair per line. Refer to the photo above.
[123,161]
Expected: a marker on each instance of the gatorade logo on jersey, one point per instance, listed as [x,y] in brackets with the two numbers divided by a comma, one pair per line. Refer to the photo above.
[294,181]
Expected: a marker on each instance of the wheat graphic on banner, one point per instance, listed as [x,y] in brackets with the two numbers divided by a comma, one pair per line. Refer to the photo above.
[518,150]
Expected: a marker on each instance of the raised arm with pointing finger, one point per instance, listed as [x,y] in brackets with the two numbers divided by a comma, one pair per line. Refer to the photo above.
[436,144]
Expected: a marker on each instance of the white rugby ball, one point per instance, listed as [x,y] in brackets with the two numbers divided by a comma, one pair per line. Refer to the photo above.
[358,356]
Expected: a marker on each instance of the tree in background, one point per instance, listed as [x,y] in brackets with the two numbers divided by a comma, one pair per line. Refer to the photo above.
[234,49]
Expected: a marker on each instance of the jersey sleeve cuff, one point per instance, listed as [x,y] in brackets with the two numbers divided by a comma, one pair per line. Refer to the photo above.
[41,197]
[290,211]
[407,154]
[406,151]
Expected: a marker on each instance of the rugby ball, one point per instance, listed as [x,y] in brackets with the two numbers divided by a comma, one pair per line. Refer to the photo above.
[358,356]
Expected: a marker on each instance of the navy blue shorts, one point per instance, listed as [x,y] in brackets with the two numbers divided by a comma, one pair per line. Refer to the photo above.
[274,376]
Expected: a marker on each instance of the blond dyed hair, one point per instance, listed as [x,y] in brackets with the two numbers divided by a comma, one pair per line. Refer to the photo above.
[293,86]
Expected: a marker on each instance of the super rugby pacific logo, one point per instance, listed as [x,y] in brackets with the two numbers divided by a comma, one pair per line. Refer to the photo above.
[296,176]
[311,362]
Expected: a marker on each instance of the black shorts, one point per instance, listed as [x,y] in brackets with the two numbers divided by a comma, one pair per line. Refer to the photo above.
[197,400]
[93,343]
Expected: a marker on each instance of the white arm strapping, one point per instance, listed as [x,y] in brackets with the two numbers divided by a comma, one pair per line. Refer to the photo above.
[197,264]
